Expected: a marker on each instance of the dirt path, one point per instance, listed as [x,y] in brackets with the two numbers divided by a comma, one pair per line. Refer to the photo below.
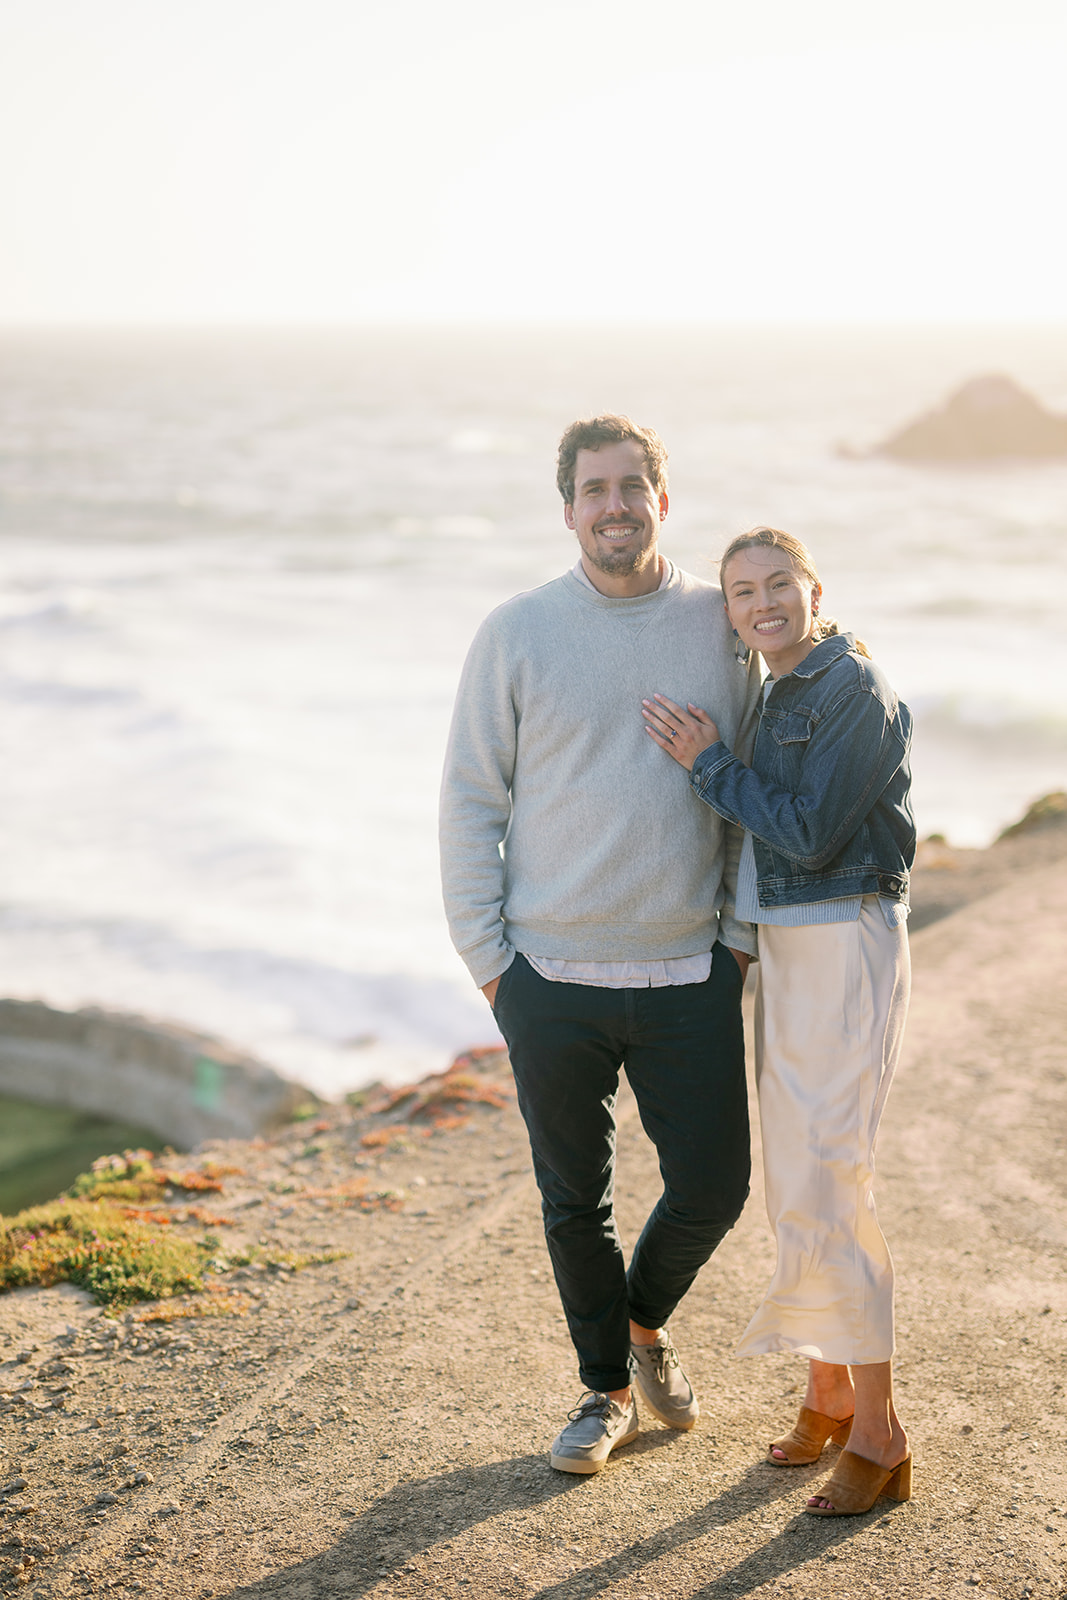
[378,1426]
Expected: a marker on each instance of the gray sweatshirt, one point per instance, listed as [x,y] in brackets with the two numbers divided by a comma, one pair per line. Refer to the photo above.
[565,831]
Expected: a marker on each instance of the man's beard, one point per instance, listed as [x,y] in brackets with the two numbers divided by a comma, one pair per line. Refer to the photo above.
[618,563]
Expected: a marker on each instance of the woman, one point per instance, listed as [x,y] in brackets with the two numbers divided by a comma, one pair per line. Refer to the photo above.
[829,842]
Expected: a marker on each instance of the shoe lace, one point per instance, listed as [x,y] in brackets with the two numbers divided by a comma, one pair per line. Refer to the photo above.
[662,1356]
[592,1404]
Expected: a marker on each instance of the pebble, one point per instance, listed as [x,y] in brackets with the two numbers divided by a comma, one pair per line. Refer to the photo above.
[142,1478]
[106,1498]
[14,1486]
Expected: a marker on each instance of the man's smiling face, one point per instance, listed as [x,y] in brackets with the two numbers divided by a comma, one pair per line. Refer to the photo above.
[616,514]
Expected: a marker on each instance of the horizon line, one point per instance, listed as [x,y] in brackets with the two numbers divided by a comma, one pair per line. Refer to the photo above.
[419,321]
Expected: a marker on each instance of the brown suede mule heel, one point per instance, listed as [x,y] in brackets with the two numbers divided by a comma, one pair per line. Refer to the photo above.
[856,1484]
[808,1438]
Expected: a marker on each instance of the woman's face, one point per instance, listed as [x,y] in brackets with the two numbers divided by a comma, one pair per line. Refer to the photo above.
[769,602]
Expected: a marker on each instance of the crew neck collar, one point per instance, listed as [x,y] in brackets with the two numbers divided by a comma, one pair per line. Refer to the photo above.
[668,580]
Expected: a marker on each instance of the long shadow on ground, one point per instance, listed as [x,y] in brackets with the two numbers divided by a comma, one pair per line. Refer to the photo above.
[416,1518]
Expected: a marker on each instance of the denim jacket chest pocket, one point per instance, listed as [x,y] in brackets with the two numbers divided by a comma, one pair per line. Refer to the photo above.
[785,733]
[791,725]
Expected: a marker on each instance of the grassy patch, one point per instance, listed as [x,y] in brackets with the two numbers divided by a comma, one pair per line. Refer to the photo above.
[218,1302]
[113,1235]
[90,1243]
[296,1260]
[222,1301]
[135,1177]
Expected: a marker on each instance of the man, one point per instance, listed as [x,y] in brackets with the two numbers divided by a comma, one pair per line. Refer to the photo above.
[584,888]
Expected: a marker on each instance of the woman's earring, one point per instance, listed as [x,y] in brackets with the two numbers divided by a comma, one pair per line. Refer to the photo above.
[741,650]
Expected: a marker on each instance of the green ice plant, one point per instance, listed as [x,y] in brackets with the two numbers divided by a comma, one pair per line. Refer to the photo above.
[91,1243]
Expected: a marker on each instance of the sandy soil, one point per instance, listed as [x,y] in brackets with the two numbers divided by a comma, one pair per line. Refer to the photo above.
[378,1426]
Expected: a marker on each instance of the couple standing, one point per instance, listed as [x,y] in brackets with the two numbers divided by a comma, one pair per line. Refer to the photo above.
[609,918]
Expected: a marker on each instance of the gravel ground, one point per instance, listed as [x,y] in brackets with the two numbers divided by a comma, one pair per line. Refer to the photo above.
[378,1425]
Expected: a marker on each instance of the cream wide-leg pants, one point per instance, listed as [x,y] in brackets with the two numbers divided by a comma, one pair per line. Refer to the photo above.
[830,1007]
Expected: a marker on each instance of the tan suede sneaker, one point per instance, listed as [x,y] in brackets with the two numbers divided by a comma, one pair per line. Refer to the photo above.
[664,1387]
[597,1426]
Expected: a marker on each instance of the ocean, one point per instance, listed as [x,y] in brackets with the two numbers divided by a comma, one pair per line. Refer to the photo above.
[239,572]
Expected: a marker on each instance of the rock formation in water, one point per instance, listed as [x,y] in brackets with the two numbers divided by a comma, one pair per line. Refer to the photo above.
[988,418]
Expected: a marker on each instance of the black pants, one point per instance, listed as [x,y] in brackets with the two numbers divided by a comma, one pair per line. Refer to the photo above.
[683,1050]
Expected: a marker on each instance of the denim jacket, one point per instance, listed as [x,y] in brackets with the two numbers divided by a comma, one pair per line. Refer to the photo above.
[828,796]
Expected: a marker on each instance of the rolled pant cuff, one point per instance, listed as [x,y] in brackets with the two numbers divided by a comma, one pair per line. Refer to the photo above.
[646,1319]
[602,1384]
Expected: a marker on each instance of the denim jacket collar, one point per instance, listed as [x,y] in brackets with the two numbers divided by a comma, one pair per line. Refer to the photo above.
[825,653]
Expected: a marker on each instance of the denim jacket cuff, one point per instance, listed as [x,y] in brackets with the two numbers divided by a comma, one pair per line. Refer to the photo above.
[707,764]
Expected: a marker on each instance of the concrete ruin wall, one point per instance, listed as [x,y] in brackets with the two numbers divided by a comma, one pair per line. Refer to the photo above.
[185,1086]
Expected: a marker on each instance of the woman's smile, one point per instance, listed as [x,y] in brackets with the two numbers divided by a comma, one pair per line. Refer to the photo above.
[769,603]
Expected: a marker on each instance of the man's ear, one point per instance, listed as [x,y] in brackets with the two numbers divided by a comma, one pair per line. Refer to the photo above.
[568,517]
[664,505]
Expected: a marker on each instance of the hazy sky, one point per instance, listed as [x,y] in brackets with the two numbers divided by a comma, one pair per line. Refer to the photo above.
[205,160]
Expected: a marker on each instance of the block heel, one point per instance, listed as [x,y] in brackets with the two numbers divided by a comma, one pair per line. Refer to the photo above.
[857,1483]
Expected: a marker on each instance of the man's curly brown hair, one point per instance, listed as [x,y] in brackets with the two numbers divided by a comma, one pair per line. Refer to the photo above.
[589,433]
